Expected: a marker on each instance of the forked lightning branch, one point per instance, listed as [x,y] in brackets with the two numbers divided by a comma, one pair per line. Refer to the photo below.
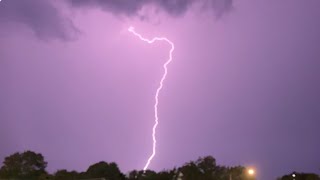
[156,118]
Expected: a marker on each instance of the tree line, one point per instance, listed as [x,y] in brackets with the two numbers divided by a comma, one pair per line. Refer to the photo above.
[29,165]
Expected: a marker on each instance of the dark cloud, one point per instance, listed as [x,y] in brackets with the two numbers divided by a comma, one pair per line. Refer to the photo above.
[220,7]
[39,15]
[172,7]
[46,21]
[126,7]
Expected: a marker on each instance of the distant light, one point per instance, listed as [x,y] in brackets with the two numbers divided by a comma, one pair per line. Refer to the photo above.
[293,175]
[250,171]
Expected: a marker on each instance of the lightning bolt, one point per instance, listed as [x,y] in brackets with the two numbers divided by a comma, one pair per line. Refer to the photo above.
[156,118]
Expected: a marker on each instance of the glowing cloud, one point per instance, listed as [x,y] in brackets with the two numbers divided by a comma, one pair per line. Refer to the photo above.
[131,29]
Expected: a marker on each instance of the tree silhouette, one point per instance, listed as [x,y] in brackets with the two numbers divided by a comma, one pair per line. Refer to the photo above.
[104,170]
[300,176]
[190,171]
[31,166]
[66,175]
[26,165]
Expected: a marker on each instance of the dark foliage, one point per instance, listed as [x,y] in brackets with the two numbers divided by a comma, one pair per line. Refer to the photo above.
[300,176]
[26,165]
[31,166]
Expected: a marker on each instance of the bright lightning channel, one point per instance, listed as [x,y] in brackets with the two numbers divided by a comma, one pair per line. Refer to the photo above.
[131,29]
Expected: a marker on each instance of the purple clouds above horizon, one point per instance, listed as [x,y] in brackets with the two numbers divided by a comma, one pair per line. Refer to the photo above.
[244,87]
[46,20]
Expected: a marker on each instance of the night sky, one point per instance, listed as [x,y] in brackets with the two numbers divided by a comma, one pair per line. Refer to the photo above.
[243,85]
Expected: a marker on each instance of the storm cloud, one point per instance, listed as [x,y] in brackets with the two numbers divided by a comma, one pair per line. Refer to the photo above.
[171,7]
[47,22]
[39,15]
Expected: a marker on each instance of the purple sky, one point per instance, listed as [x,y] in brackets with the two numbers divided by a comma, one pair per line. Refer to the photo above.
[243,85]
